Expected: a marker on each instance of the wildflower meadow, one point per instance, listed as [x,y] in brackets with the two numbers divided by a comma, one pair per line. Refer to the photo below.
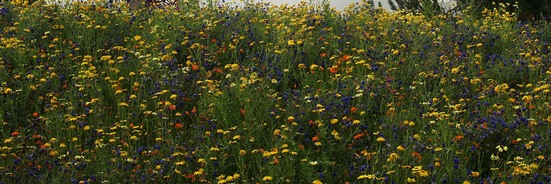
[94,92]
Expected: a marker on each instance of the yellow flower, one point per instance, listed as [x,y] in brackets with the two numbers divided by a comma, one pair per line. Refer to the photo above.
[392,157]
[291,42]
[381,139]
[494,157]
[422,173]
[364,176]
[53,153]
[501,148]
[317,182]
[105,58]
[267,178]
[8,91]
[201,171]
[236,175]
[276,132]
[314,66]
[201,161]
[400,148]
[396,52]
[291,119]
[501,88]
[527,98]
[334,121]
[475,81]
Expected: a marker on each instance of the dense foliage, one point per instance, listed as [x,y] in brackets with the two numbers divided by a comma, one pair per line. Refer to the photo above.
[527,10]
[100,93]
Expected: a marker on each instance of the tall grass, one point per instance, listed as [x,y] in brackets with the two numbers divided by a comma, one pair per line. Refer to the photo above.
[282,94]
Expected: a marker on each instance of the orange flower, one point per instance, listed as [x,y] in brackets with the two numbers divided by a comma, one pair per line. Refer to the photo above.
[195,67]
[458,138]
[15,133]
[217,70]
[190,176]
[476,145]
[416,155]
[276,161]
[334,69]
[315,138]
[458,53]
[179,125]
[36,115]
[483,126]
[357,136]
[346,57]
[353,109]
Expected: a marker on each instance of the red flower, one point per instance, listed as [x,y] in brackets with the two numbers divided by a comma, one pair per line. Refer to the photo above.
[179,125]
